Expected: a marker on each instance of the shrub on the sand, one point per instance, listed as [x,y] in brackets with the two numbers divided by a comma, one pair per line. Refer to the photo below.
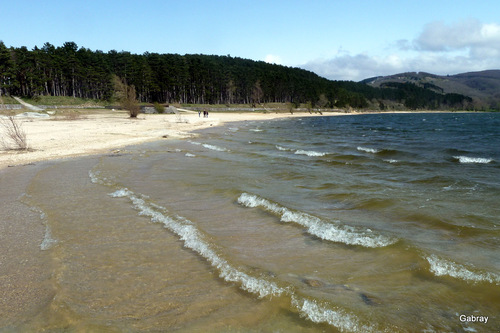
[125,95]
[159,108]
[14,135]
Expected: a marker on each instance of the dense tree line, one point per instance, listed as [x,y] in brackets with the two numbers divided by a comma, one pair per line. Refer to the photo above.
[415,97]
[200,79]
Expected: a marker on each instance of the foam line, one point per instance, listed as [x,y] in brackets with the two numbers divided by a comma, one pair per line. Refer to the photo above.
[328,231]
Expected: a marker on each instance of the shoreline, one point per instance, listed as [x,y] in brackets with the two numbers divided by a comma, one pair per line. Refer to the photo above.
[104,131]
[92,134]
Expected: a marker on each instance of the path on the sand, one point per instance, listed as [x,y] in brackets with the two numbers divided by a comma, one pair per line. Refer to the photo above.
[27,105]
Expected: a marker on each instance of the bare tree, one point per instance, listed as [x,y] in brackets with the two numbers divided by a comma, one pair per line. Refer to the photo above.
[125,94]
[14,134]
[256,93]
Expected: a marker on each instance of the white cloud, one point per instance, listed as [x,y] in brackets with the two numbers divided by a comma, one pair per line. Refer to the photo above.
[470,34]
[440,49]
[273,59]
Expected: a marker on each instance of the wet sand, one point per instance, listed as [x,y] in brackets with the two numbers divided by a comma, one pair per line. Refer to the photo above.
[25,269]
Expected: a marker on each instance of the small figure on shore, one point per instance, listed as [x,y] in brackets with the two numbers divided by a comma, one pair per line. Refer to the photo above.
[199,114]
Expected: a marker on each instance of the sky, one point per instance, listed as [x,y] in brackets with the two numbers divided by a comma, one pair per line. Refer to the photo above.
[336,39]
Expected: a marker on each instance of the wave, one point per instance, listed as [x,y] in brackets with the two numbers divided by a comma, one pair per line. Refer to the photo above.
[321,314]
[48,241]
[473,160]
[441,267]
[311,153]
[368,150]
[282,148]
[384,152]
[195,240]
[208,146]
[315,226]
[213,147]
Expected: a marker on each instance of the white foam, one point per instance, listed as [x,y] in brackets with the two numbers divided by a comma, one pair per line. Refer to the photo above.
[478,160]
[96,178]
[255,130]
[194,240]
[48,241]
[213,147]
[208,146]
[335,317]
[121,193]
[441,267]
[391,161]
[190,155]
[93,177]
[368,150]
[315,226]
[311,153]
[282,148]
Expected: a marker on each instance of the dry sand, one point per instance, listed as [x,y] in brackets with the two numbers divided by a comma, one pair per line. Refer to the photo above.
[108,130]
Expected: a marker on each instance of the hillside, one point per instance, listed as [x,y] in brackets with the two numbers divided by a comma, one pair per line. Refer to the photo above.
[483,87]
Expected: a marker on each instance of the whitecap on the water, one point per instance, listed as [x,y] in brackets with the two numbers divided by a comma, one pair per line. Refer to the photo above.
[195,240]
[311,153]
[315,226]
[208,146]
[214,147]
[368,150]
[441,267]
[478,160]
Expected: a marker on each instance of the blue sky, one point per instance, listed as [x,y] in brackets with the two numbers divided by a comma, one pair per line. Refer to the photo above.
[340,40]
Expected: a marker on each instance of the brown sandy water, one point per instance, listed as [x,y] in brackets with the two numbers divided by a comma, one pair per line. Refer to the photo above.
[162,238]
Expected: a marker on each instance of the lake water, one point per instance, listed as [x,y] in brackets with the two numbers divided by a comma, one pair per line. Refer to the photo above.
[363,223]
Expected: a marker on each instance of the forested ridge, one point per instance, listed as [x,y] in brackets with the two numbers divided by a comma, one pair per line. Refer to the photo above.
[198,79]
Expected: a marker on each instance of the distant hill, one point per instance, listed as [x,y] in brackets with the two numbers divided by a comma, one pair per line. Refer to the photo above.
[483,87]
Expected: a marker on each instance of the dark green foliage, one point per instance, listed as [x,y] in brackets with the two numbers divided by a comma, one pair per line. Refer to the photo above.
[415,97]
[195,79]
[159,108]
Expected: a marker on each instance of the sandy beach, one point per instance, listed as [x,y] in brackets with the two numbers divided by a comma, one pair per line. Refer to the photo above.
[54,138]
[25,280]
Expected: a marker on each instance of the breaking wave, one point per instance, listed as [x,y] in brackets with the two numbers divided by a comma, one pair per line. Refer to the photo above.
[315,226]
[208,146]
[195,240]
[282,148]
[368,150]
[311,153]
[441,267]
[473,160]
